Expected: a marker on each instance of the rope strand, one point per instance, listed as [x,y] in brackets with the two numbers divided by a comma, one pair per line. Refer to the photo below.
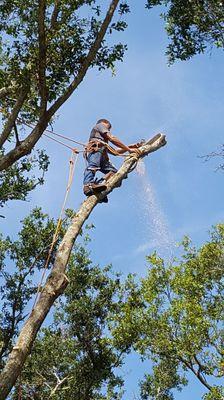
[58,141]
[72,162]
[65,137]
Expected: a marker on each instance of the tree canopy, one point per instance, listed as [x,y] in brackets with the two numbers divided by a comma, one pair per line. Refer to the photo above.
[175,319]
[192,26]
[172,317]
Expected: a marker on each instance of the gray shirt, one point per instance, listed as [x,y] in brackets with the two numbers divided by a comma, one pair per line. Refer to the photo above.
[99,131]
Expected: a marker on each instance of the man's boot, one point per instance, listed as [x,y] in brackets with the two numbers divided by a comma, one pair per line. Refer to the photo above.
[104,200]
[92,188]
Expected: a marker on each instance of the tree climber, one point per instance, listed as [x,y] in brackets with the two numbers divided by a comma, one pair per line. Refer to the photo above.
[97,156]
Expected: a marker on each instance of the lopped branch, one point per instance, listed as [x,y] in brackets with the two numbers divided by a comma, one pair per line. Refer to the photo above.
[57,280]
[12,117]
[27,145]
[42,55]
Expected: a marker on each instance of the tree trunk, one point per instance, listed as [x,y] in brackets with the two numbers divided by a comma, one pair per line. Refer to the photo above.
[57,281]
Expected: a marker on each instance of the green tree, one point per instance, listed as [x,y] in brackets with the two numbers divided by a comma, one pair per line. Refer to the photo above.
[192,26]
[74,357]
[16,182]
[46,49]
[20,261]
[175,318]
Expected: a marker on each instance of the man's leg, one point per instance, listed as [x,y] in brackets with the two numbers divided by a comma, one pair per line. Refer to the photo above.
[94,162]
[108,168]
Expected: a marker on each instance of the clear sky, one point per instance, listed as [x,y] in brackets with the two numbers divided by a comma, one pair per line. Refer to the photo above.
[186,196]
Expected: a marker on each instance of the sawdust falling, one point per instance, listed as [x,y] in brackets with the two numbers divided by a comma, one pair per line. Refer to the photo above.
[158,235]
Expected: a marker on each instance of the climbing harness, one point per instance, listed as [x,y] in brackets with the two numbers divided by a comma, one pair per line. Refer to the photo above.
[95,145]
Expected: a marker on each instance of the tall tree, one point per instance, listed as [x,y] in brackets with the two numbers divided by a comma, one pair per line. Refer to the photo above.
[175,319]
[57,281]
[192,26]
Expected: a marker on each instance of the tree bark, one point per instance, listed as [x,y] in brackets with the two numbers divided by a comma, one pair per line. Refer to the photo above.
[57,280]
[42,56]
[12,117]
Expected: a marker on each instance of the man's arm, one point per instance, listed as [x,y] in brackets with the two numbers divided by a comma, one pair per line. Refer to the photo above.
[122,147]
[132,147]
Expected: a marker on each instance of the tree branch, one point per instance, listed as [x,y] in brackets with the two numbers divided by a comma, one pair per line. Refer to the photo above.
[27,145]
[42,55]
[4,92]
[57,281]
[197,373]
[16,135]
[12,117]
[55,13]
[88,60]
[58,384]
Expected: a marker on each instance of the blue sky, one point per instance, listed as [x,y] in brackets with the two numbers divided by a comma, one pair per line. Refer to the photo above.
[146,96]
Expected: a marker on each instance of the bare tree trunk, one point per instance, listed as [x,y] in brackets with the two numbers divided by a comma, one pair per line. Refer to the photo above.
[57,281]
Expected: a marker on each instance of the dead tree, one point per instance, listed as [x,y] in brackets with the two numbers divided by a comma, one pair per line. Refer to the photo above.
[57,280]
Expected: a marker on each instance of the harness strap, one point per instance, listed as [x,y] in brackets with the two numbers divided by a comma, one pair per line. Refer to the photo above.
[95,144]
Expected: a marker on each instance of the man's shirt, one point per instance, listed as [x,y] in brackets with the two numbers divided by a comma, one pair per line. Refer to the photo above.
[99,132]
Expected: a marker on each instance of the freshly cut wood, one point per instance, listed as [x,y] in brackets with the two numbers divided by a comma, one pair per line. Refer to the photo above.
[57,280]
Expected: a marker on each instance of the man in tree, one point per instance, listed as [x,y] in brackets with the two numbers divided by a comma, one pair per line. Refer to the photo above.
[97,156]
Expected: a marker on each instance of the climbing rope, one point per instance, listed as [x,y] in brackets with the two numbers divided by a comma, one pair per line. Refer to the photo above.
[65,137]
[32,126]
[72,165]
[63,144]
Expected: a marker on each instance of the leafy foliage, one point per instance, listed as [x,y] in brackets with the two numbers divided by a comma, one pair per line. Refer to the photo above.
[70,29]
[20,261]
[176,319]
[16,182]
[173,317]
[192,26]
[75,357]
[46,48]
